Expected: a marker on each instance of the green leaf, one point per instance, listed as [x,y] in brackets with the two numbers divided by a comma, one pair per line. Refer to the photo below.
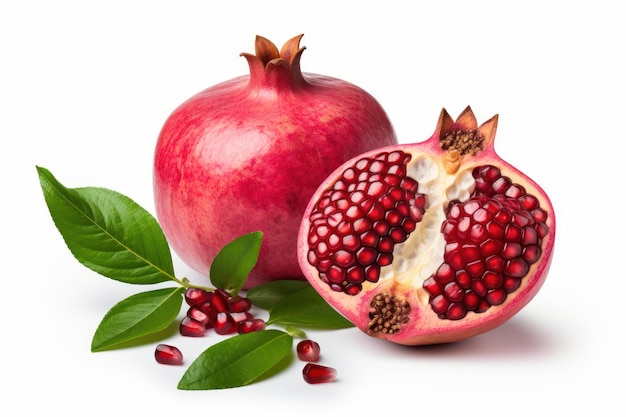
[108,232]
[306,308]
[269,294]
[137,316]
[234,262]
[237,361]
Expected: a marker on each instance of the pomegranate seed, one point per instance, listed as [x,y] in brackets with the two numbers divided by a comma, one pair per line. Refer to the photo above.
[225,324]
[242,316]
[308,351]
[191,327]
[239,304]
[196,296]
[249,326]
[219,302]
[168,355]
[211,314]
[317,374]
[198,315]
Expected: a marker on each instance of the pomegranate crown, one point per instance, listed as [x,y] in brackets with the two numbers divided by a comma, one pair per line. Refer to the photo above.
[463,136]
[270,67]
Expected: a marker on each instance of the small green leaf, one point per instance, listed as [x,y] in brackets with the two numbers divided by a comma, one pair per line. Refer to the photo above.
[234,262]
[237,361]
[306,308]
[295,332]
[269,294]
[137,316]
[108,232]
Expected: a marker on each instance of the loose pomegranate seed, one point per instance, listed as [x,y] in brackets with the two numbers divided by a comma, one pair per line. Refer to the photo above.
[225,324]
[308,351]
[359,220]
[196,296]
[317,374]
[492,239]
[198,315]
[252,325]
[219,301]
[168,355]
[191,327]
[239,304]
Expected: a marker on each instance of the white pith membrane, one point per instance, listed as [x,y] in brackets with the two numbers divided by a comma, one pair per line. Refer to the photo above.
[418,257]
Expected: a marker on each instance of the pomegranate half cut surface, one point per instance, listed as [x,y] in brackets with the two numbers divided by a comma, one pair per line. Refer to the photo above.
[431,242]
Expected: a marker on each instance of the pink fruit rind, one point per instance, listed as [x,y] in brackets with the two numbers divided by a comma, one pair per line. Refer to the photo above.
[422,325]
[247,154]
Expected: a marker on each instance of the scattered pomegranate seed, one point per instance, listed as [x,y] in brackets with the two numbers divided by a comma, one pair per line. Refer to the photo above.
[225,324]
[196,296]
[249,326]
[191,327]
[317,374]
[168,355]
[197,314]
[308,351]
[239,304]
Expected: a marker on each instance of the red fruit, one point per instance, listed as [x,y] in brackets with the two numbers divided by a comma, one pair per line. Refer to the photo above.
[168,355]
[317,374]
[308,351]
[431,242]
[231,159]
[190,327]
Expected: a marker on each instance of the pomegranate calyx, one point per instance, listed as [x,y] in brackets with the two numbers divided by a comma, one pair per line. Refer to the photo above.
[273,68]
[463,136]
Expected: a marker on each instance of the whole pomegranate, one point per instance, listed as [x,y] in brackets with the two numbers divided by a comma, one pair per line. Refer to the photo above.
[247,154]
[431,242]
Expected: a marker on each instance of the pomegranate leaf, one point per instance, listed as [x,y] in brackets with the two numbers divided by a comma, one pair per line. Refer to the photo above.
[306,308]
[139,315]
[234,262]
[108,232]
[269,294]
[237,361]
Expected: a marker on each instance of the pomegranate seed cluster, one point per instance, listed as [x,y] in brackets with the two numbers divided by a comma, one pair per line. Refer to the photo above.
[217,310]
[360,218]
[491,241]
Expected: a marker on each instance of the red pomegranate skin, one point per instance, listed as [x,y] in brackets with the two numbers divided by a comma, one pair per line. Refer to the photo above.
[247,154]
[419,324]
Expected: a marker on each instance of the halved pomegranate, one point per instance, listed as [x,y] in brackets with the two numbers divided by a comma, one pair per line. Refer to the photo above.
[431,242]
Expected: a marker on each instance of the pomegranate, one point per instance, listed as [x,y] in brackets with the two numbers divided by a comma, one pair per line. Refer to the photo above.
[430,242]
[247,154]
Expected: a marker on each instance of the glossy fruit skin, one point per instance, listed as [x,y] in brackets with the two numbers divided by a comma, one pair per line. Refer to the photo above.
[417,322]
[247,154]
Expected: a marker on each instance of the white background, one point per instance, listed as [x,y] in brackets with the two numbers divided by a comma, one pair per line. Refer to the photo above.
[85,87]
